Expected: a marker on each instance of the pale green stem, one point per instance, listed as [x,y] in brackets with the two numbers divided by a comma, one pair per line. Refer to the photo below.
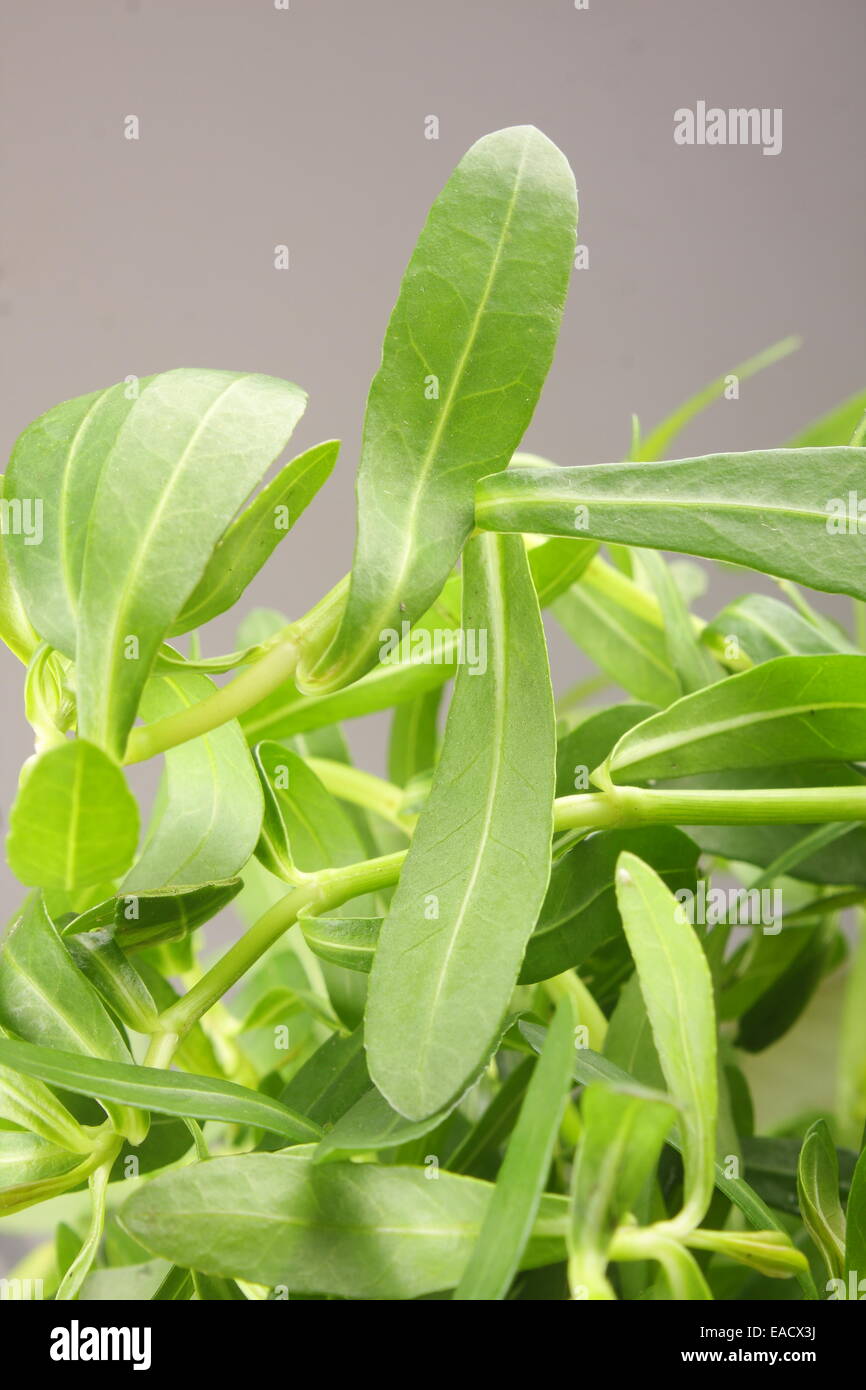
[326,890]
[619,806]
[240,694]
[362,789]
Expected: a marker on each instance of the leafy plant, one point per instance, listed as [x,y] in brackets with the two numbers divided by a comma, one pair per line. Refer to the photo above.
[488,1028]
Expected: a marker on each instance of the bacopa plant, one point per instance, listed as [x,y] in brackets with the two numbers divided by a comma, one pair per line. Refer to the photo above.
[487,1030]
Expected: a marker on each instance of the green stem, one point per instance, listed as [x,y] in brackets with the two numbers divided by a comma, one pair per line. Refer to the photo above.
[326,890]
[632,806]
[240,694]
[363,789]
[619,806]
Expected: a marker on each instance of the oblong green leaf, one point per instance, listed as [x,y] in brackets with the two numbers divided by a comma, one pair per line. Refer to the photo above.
[477,868]
[677,990]
[791,710]
[348,1229]
[168,1093]
[580,913]
[151,919]
[509,1218]
[74,823]
[772,510]
[209,812]
[189,434]
[855,1222]
[835,427]
[45,999]
[16,630]
[305,828]
[254,535]
[818,1194]
[101,960]
[26,1158]
[764,628]
[347,941]
[621,643]
[465,356]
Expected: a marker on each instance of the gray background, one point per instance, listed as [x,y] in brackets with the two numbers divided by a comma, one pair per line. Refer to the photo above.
[261,126]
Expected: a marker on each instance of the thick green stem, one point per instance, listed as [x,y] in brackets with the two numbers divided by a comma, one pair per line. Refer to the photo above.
[247,689]
[632,806]
[619,806]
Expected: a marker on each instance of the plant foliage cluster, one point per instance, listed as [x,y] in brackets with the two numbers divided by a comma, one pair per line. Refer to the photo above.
[470,1043]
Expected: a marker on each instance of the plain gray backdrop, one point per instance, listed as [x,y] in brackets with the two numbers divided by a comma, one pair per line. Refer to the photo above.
[306,127]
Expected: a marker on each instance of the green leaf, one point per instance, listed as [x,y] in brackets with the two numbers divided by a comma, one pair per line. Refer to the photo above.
[818,1192]
[764,628]
[209,811]
[792,710]
[123,482]
[31,1105]
[771,1169]
[580,909]
[780,511]
[353,1230]
[151,919]
[371,1125]
[855,1238]
[330,1082]
[481,1143]
[28,1158]
[168,1093]
[255,534]
[619,1149]
[414,737]
[16,629]
[656,444]
[677,990]
[621,643]
[45,999]
[511,1214]
[691,662]
[591,1067]
[101,960]
[477,869]
[583,748]
[74,823]
[347,941]
[78,1270]
[465,356]
[836,427]
[305,828]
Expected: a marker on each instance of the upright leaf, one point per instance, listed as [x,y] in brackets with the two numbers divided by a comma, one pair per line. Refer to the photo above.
[677,989]
[618,1150]
[818,1193]
[780,511]
[45,999]
[621,643]
[254,535]
[16,630]
[477,869]
[209,812]
[128,536]
[465,356]
[509,1218]
[835,427]
[74,823]
[305,828]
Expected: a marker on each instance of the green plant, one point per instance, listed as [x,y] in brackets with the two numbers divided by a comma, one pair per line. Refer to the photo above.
[495,1020]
